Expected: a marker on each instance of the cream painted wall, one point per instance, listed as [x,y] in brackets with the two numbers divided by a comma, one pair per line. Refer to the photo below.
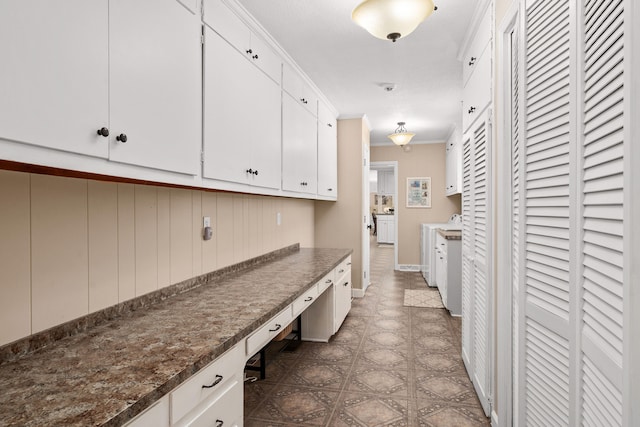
[339,224]
[424,160]
[70,247]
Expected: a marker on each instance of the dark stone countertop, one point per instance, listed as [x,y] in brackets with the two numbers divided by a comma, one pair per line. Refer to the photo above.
[450,234]
[111,372]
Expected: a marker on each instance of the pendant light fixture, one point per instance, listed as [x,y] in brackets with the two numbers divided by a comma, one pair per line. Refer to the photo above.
[391,19]
[400,136]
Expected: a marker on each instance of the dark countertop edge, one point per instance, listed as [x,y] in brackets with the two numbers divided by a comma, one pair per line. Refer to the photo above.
[450,234]
[142,404]
[25,346]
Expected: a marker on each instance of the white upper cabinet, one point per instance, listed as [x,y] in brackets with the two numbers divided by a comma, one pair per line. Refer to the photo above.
[155,89]
[54,82]
[476,95]
[228,24]
[299,147]
[70,69]
[241,118]
[295,86]
[327,153]
[454,165]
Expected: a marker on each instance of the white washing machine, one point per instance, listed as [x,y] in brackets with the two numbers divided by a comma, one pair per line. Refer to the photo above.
[427,246]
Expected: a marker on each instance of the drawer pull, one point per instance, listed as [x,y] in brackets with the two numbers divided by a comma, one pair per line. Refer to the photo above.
[278,326]
[308,299]
[348,263]
[341,270]
[219,423]
[328,281]
[215,383]
[346,284]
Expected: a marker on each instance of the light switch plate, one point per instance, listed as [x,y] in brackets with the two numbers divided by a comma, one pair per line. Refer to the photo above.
[278,218]
[206,222]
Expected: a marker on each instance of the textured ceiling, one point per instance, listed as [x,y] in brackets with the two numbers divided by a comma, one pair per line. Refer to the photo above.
[350,66]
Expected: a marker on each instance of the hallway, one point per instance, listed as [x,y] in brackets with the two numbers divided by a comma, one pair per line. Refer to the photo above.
[388,365]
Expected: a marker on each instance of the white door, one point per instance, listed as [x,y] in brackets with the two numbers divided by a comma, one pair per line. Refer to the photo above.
[155,76]
[571,290]
[54,65]
[299,147]
[366,216]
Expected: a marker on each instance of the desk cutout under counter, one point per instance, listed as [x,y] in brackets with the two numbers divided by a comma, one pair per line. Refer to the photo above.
[134,354]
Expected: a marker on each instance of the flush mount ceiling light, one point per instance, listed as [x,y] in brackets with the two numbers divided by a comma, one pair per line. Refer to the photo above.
[400,136]
[391,19]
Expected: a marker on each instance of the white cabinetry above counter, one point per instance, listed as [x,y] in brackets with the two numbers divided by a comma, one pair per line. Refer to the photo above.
[103,79]
[185,92]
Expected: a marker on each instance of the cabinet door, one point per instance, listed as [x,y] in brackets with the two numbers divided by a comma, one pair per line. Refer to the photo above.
[241,118]
[327,153]
[299,145]
[155,84]
[54,74]
[450,172]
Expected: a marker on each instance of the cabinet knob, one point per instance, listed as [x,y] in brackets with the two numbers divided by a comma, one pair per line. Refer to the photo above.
[472,109]
[329,189]
[249,171]
[122,138]
[255,172]
[472,60]
[255,56]
[219,423]
[330,125]
[103,132]
[249,51]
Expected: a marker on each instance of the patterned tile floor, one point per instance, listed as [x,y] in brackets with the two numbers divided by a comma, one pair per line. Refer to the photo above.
[389,365]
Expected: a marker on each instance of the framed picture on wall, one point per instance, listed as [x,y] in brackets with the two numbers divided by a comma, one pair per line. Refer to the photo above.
[419,192]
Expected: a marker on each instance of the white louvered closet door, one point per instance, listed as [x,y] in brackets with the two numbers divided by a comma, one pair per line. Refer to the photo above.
[545,293]
[476,291]
[482,299]
[602,194]
[467,252]
[572,194]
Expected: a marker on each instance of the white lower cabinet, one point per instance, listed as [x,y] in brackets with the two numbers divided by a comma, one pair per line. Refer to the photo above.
[342,293]
[208,383]
[157,415]
[221,410]
[386,228]
[448,273]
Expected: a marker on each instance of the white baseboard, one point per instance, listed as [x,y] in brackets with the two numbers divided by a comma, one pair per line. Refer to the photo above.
[357,293]
[408,267]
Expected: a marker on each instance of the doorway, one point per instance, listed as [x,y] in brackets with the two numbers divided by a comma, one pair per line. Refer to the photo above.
[383,212]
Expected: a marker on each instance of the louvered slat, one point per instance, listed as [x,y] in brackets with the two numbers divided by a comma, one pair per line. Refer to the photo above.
[467,253]
[602,222]
[545,160]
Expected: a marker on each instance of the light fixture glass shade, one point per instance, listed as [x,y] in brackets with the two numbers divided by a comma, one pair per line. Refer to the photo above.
[391,19]
[401,137]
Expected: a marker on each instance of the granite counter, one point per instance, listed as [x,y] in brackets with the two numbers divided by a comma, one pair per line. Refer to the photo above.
[107,374]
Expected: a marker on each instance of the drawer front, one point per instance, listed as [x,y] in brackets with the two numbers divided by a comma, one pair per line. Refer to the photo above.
[224,410]
[326,282]
[209,380]
[267,60]
[343,268]
[305,300]
[269,330]
[155,416]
